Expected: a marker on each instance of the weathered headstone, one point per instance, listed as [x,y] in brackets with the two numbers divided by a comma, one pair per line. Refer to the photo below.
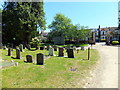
[61,51]
[74,48]
[82,48]
[55,48]
[9,51]
[41,48]
[12,46]
[29,58]
[17,53]
[24,46]
[28,46]
[51,51]
[40,59]
[70,53]
[21,47]
[48,47]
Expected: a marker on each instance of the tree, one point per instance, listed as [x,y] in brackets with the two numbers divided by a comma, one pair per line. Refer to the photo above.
[60,25]
[22,20]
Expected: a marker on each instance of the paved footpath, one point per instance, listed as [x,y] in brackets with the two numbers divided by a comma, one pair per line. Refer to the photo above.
[106,73]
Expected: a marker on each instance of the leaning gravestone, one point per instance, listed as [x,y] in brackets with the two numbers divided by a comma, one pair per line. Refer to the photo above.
[70,53]
[21,47]
[29,58]
[51,51]
[55,48]
[61,51]
[9,51]
[17,53]
[40,59]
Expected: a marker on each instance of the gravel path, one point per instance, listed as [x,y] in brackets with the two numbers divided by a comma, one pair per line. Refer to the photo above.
[106,73]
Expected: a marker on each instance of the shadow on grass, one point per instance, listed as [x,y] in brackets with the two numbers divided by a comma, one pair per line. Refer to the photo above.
[15,58]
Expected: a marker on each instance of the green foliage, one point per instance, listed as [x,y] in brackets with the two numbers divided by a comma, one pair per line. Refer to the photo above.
[115,42]
[21,20]
[35,41]
[61,26]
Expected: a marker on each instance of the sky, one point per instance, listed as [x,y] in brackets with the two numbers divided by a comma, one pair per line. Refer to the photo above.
[91,14]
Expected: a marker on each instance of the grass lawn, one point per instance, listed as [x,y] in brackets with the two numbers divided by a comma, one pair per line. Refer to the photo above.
[55,73]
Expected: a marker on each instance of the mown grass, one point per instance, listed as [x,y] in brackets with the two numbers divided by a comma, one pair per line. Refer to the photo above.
[55,73]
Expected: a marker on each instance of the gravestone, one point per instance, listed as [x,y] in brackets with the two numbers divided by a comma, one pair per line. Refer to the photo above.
[70,53]
[61,51]
[4,47]
[12,46]
[82,48]
[41,48]
[40,59]
[48,47]
[21,47]
[51,51]
[28,46]
[1,46]
[29,58]
[17,53]
[55,48]
[74,48]
[24,46]
[9,51]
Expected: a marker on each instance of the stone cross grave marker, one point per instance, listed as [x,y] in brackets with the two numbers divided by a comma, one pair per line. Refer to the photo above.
[29,58]
[70,53]
[40,59]
[61,51]
[17,53]
[51,51]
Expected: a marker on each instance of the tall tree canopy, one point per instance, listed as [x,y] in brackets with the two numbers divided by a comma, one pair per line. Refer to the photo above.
[59,25]
[62,26]
[21,21]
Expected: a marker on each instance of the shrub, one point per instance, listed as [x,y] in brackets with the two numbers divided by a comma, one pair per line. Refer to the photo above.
[103,40]
[115,42]
[35,42]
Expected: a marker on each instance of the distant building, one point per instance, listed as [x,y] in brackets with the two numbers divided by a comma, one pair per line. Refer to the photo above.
[119,14]
[101,34]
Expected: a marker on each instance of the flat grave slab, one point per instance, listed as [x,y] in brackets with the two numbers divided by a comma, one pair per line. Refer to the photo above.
[6,64]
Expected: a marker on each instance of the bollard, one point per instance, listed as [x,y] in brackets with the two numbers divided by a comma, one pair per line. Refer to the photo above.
[88,53]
